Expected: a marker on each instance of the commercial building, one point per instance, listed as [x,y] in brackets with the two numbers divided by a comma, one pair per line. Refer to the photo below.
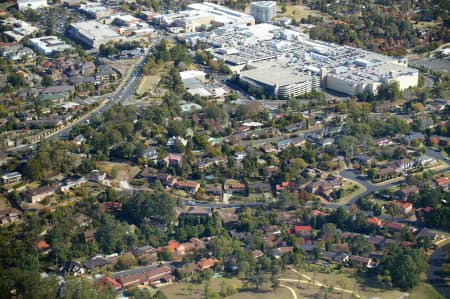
[263,11]
[31,4]
[19,29]
[202,15]
[49,45]
[95,10]
[279,81]
[278,53]
[93,33]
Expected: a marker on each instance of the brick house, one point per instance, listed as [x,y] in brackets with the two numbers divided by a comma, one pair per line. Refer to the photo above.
[38,194]
[190,187]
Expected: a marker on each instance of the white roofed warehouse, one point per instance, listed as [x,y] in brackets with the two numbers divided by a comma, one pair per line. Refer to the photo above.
[93,33]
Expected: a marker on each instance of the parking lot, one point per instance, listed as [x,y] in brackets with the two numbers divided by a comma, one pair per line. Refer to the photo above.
[439,65]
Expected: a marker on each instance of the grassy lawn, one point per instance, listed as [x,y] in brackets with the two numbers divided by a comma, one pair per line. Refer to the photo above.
[123,66]
[181,290]
[4,203]
[349,185]
[298,12]
[424,290]
[124,172]
[148,83]
[346,278]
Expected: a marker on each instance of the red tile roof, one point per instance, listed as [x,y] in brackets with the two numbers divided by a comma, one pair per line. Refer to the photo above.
[108,281]
[374,220]
[442,181]
[41,244]
[302,228]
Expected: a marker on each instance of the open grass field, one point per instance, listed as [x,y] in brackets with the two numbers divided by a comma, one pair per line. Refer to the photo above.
[424,290]
[298,12]
[345,279]
[124,66]
[119,171]
[4,203]
[148,83]
[151,82]
[181,290]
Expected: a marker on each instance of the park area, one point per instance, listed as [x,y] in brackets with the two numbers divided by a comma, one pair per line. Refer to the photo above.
[313,282]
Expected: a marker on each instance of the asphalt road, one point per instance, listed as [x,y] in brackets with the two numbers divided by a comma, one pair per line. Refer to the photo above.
[355,176]
[434,275]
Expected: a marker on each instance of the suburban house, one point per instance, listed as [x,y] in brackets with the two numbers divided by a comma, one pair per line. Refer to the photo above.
[70,183]
[405,207]
[304,231]
[425,160]
[387,173]
[405,192]
[234,188]
[324,187]
[72,268]
[375,221]
[403,165]
[166,180]
[443,182]
[9,215]
[190,187]
[38,194]
[89,235]
[395,226]
[151,154]
[97,261]
[82,219]
[425,232]
[11,178]
[205,263]
[362,159]
[294,127]
[269,149]
[336,257]
[361,261]
[173,160]
[384,142]
[144,276]
[259,188]
[285,185]
[108,282]
[214,192]
[97,177]
[78,140]
[197,212]
[143,250]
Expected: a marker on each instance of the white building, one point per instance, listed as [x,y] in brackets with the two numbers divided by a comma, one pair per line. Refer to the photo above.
[31,4]
[263,11]
[200,15]
[11,178]
[49,45]
[344,69]
[93,33]
[280,81]
[19,29]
